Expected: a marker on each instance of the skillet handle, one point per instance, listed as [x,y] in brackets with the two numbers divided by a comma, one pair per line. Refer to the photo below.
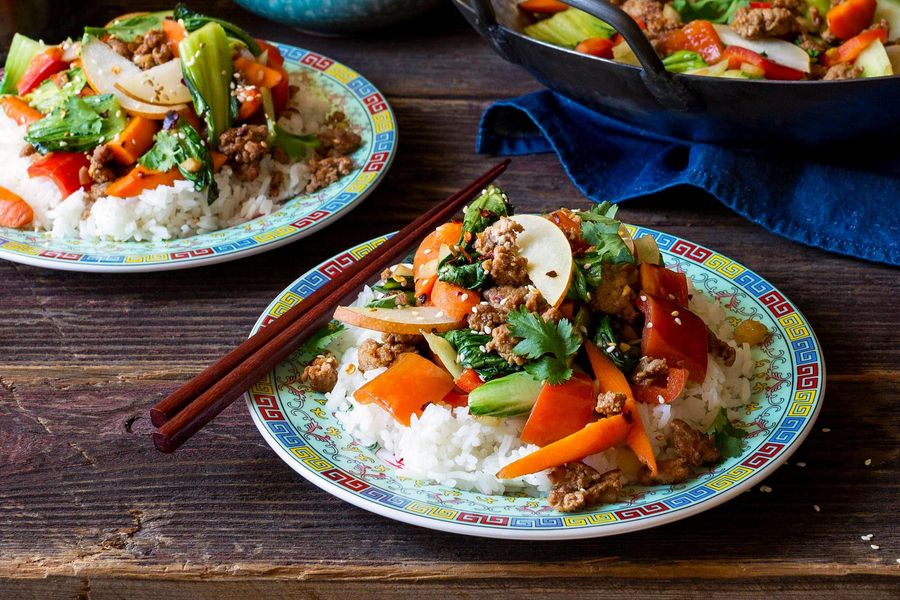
[486,24]
[670,92]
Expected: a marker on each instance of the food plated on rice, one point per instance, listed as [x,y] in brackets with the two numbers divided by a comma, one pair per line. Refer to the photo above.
[160,126]
[548,355]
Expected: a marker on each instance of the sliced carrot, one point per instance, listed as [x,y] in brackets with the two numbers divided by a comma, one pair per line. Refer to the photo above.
[611,379]
[257,74]
[175,32]
[139,179]
[595,437]
[14,211]
[601,47]
[469,380]
[406,387]
[251,102]
[19,111]
[543,6]
[560,410]
[134,140]
[454,300]
[850,17]
[852,48]
[425,262]
[218,160]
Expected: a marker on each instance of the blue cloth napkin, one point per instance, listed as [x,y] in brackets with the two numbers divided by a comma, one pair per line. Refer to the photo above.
[851,209]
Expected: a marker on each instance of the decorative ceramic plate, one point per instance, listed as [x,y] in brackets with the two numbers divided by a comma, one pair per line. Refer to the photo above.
[348,91]
[787,393]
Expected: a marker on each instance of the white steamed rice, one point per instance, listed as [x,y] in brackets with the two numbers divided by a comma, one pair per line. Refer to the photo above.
[455,449]
[167,212]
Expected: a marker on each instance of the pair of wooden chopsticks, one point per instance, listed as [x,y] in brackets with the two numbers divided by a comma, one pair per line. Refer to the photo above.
[196,403]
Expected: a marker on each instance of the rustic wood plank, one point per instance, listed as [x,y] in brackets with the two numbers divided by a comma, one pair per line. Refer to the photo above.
[89,510]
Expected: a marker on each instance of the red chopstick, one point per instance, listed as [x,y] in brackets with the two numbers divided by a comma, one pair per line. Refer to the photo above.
[189,408]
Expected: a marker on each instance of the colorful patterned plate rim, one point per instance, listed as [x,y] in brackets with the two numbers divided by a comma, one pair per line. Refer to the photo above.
[787,395]
[364,106]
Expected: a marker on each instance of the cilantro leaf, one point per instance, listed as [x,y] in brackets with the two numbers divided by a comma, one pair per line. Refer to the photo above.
[182,148]
[728,437]
[549,344]
[600,229]
[323,338]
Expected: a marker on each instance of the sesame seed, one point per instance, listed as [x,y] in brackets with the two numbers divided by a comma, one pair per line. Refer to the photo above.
[674,313]
[874,546]
[426,251]
[482,348]
[867,538]
[487,329]
[765,489]
[475,309]
[801,464]
[625,347]
[644,298]
[825,430]
[868,462]
[671,297]
[816,508]
[677,321]
[649,325]
[660,399]
[464,297]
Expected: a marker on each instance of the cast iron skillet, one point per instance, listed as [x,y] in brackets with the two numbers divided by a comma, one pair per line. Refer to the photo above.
[753,114]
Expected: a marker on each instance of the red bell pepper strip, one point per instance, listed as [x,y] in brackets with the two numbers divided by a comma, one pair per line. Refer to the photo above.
[736,55]
[64,168]
[669,42]
[664,283]
[651,393]
[611,379]
[275,59]
[600,47]
[469,380]
[760,5]
[703,39]
[852,48]
[560,410]
[280,93]
[456,398]
[41,67]
[676,334]
[850,17]
[569,226]
[547,7]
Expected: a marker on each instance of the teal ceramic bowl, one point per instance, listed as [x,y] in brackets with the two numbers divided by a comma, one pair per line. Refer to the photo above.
[337,17]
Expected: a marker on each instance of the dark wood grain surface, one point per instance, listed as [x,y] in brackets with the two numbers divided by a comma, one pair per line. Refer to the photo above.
[88,509]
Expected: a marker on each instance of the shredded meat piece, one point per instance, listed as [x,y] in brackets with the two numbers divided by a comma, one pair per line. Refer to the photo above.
[98,190]
[101,159]
[27,150]
[577,486]
[754,23]
[321,373]
[337,141]
[652,15]
[719,348]
[610,403]
[484,317]
[245,147]
[692,449]
[497,244]
[810,42]
[506,297]
[152,49]
[503,342]
[325,171]
[121,47]
[373,354]
[275,184]
[615,294]
[842,71]
[650,370]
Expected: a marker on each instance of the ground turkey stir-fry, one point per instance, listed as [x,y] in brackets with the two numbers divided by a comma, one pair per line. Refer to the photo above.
[688,36]
[479,275]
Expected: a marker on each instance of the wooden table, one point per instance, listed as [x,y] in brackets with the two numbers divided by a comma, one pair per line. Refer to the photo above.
[88,509]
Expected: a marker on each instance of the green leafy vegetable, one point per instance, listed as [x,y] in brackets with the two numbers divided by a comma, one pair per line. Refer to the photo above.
[79,124]
[683,60]
[568,28]
[206,65]
[716,11]
[295,146]
[728,437]
[46,97]
[183,148]
[193,21]
[21,51]
[470,354]
[600,229]
[549,344]
[607,341]
[128,29]
[484,210]
[455,270]
[323,338]
[391,301]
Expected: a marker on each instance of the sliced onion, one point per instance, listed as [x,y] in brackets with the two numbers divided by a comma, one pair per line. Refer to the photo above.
[162,85]
[781,52]
[103,68]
